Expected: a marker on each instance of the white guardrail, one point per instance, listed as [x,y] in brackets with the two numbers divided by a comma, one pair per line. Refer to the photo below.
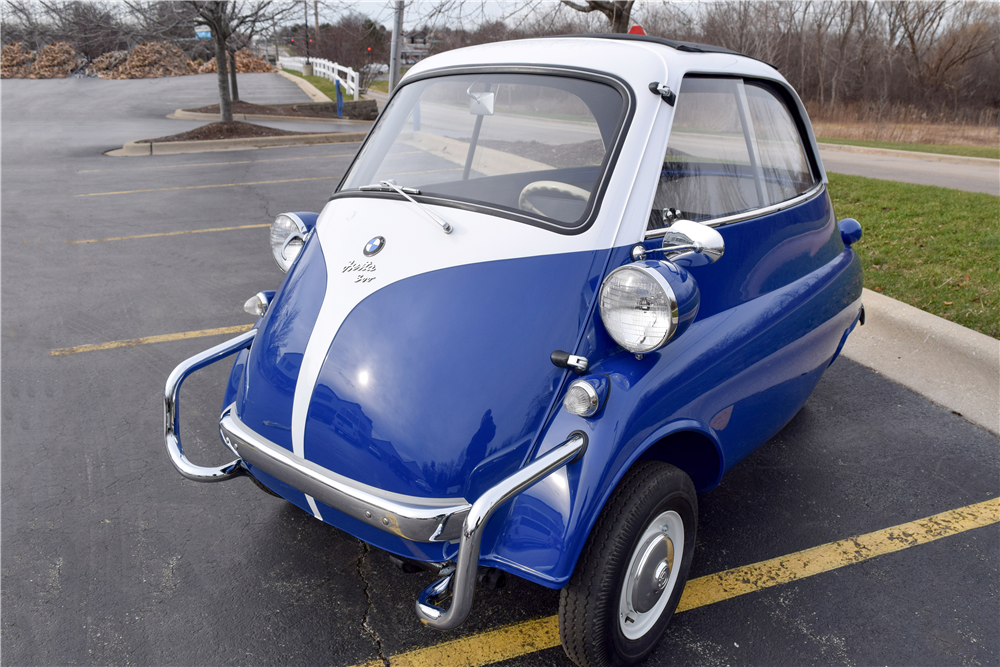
[328,70]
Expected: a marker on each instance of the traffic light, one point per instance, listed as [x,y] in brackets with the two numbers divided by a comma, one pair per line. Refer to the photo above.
[291,40]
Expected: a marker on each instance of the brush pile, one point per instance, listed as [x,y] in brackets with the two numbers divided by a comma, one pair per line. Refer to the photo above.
[106,65]
[246,63]
[15,61]
[152,60]
[55,61]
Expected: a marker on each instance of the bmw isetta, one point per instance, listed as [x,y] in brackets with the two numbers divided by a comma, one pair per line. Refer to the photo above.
[565,284]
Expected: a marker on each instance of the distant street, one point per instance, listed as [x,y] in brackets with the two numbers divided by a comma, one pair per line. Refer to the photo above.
[975,176]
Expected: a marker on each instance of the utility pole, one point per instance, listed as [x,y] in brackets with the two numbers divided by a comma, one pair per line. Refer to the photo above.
[316,22]
[396,51]
[307,69]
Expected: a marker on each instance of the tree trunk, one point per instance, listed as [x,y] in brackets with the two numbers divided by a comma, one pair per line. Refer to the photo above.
[232,77]
[225,102]
[621,16]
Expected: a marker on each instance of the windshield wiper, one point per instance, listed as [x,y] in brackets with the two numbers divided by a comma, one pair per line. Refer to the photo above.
[382,186]
[378,187]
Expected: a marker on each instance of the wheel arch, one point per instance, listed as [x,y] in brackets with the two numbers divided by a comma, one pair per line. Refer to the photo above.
[693,450]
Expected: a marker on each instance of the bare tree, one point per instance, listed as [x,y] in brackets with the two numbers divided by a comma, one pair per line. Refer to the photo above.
[357,42]
[618,13]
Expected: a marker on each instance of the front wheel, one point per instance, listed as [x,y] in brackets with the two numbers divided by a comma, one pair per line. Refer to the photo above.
[633,568]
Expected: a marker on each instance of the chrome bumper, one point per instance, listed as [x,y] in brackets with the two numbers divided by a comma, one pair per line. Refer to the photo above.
[412,518]
[171,411]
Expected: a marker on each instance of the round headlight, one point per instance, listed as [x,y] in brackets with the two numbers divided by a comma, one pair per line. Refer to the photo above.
[287,237]
[638,308]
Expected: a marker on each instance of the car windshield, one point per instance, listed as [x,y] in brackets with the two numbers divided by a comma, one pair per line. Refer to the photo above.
[528,144]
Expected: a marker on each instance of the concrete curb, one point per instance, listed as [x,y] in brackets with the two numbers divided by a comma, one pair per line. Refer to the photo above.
[136,149]
[181,114]
[944,362]
[933,157]
[307,88]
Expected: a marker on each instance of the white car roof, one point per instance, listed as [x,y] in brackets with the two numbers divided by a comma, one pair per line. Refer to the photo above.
[638,61]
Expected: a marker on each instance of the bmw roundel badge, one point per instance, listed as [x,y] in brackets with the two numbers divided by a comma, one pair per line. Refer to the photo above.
[374,246]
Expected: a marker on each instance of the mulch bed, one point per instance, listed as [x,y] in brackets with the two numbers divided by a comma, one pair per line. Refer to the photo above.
[300,110]
[232,130]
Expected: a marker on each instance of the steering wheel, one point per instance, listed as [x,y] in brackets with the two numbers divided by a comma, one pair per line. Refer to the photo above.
[553,189]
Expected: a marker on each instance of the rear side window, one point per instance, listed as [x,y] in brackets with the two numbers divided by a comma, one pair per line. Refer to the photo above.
[779,146]
[734,147]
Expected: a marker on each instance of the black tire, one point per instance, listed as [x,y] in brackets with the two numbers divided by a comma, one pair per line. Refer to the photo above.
[595,605]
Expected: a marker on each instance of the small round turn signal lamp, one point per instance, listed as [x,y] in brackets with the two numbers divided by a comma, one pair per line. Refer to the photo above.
[585,396]
[258,303]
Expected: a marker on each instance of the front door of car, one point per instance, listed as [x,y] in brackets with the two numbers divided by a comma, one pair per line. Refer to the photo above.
[737,159]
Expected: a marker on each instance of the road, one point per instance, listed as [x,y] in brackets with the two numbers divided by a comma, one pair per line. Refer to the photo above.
[110,557]
[975,176]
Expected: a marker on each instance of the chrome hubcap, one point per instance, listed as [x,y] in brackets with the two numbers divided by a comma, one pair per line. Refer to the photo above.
[650,572]
[651,575]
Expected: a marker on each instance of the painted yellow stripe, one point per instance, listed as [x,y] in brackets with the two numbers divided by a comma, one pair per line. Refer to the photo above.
[202,187]
[132,342]
[530,636]
[742,580]
[220,164]
[188,231]
[223,164]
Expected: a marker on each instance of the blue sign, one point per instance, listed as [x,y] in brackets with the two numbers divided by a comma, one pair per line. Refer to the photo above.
[203,34]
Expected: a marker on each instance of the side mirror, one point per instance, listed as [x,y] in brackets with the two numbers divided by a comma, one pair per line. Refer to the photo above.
[480,104]
[688,243]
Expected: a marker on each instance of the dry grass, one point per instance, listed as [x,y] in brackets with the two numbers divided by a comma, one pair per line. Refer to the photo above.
[911,133]
[906,125]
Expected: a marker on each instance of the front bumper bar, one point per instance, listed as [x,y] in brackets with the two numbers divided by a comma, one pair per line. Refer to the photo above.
[413,518]
[172,417]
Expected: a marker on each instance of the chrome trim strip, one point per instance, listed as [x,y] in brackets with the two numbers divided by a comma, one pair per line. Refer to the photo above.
[171,411]
[746,215]
[462,583]
[410,517]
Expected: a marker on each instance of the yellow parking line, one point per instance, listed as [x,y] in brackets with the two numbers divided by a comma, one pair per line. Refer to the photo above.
[530,636]
[188,231]
[219,164]
[201,187]
[132,342]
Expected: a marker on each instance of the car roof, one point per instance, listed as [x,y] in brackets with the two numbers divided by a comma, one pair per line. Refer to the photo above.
[690,47]
[637,59]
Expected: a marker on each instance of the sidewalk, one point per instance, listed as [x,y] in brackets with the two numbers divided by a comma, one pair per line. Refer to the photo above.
[944,362]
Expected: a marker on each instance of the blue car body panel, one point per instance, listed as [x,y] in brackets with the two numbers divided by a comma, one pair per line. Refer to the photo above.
[461,392]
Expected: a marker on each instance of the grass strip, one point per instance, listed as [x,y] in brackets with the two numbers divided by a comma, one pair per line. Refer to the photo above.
[934,248]
[325,86]
[964,151]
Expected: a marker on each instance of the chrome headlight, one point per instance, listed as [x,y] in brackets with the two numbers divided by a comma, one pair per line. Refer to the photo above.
[638,308]
[288,234]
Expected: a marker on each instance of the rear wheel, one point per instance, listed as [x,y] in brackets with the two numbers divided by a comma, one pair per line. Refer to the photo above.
[633,568]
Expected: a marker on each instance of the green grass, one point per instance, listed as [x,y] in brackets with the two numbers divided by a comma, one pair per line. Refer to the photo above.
[379,86]
[965,151]
[933,248]
[325,86]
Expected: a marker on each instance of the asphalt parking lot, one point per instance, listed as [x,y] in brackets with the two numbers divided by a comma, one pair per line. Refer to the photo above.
[110,557]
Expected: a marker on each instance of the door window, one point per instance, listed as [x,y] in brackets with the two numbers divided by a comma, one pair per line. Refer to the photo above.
[734,147]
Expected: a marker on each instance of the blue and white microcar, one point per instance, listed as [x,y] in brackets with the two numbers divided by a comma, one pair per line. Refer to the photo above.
[564,286]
